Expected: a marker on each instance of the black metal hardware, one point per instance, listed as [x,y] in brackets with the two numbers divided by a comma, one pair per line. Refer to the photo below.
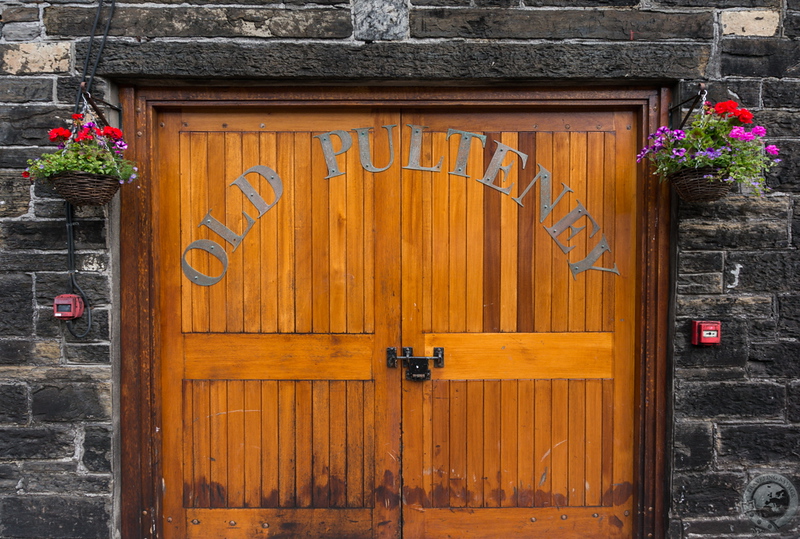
[416,366]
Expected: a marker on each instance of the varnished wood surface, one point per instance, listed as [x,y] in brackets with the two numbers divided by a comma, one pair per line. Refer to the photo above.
[470,219]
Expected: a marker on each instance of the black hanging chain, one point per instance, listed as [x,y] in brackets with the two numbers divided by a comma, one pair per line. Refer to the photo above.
[697,99]
[82,99]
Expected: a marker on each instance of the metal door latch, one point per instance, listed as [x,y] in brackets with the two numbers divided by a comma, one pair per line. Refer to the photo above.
[416,366]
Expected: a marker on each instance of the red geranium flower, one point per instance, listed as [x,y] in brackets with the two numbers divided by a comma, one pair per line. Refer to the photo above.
[85,134]
[112,132]
[744,116]
[59,133]
[26,174]
[77,116]
[726,107]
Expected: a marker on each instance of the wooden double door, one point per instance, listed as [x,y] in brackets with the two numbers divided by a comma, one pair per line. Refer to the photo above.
[295,246]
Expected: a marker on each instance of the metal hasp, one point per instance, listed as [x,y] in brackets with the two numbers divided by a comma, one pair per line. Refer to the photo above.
[416,366]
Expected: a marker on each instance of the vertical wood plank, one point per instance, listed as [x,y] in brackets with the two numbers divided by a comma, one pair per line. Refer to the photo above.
[475,438]
[509,432]
[187,225]
[561,275]
[355,443]
[441,443]
[271,225]
[337,241]
[278,452]
[608,443]
[577,442]
[457,229]
[320,237]
[509,242]
[594,442]
[594,200]
[527,222]
[219,442]
[543,453]
[440,286]
[201,202]
[492,254]
[458,443]
[474,260]
[577,285]
[189,441]
[427,443]
[253,448]
[287,452]
[369,444]
[560,440]
[543,244]
[355,247]
[609,226]
[305,168]
[303,443]
[288,155]
[320,460]
[251,245]
[338,443]
[234,277]
[492,418]
[526,444]
[201,413]
[235,411]
[217,202]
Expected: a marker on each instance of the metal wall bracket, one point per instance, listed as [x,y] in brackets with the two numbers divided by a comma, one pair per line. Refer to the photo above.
[416,366]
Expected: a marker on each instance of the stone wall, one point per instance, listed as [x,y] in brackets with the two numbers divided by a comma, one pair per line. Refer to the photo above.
[736,407]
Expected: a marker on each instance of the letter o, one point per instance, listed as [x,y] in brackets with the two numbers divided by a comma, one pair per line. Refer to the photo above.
[214,249]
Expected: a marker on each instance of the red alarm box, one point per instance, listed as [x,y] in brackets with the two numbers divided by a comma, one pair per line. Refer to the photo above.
[706,332]
[68,306]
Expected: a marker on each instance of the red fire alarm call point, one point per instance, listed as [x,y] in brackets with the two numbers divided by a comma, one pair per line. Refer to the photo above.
[706,332]
[68,306]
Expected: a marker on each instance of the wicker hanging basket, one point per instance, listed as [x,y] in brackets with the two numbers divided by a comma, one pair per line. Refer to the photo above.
[699,184]
[85,189]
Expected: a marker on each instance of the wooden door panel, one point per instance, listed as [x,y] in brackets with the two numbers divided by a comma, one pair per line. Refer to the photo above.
[529,287]
[278,306]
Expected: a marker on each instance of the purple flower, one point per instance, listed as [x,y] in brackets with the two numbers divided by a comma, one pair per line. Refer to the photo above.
[678,134]
[759,130]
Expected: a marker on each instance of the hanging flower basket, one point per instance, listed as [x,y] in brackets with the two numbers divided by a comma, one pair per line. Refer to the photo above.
[699,184]
[85,188]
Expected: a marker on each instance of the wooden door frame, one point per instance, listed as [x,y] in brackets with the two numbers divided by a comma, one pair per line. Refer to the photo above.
[139,363]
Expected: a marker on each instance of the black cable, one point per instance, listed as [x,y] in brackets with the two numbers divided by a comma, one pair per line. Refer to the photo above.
[72,282]
[79,100]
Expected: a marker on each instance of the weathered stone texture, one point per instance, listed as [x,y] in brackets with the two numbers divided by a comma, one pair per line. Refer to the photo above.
[16,311]
[25,89]
[786,175]
[54,516]
[793,398]
[733,353]
[48,235]
[97,449]
[26,352]
[380,19]
[699,399]
[19,14]
[760,57]
[693,445]
[775,360]
[30,124]
[205,22]
[707,494]
[13,403]
[762,271]
[759,444]
[608,25]
[407,61]
[750,23]
[15,194]
[34,58]
[730,235]
[755,306]
[70,402]
[36,442]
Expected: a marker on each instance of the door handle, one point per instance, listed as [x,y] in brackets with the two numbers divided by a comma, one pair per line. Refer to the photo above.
[417,368]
